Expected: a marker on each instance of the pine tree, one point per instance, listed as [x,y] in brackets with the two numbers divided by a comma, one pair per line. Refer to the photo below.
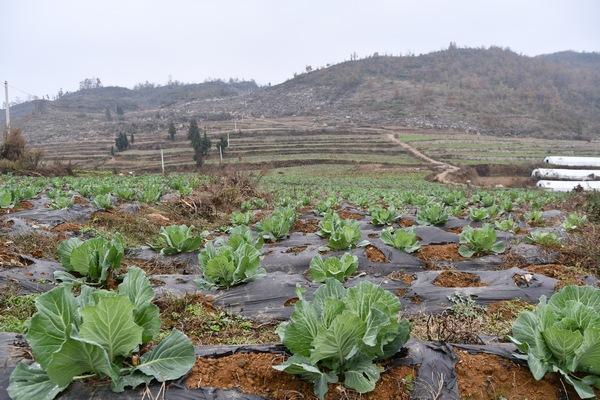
[120,112]
[121,142]
[206,144]
[197,142]
[132,139]
[172,131]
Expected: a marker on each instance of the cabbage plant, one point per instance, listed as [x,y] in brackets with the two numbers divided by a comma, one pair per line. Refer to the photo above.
[103,201]
[383,216]
[98,334]
[507,225]
[226,264]
[478,214]
[94,260]
[340,268]
[61,202]
[574,221]
[278,225]
[7,199]
[241,234]
[327,224]
[240,218]
[563,335]
[432,214]
[345,235]
[534,218]
[549,239]
[401,239]
[479,241]
[176,239]
[341,333]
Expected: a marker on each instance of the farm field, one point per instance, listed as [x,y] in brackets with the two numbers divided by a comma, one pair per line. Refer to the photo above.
[468,149]
[342,281]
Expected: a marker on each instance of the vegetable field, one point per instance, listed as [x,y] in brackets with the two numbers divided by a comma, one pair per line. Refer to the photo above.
[306,283]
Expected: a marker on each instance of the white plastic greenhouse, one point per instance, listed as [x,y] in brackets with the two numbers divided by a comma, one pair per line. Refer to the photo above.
[566,180]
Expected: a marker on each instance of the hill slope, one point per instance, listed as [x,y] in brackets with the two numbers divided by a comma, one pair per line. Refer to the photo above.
[489,90]
[494,91]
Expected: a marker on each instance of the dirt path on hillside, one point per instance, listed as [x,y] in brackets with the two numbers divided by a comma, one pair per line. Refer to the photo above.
[445,168]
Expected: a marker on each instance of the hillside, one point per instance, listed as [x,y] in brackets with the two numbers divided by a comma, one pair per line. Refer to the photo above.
[492,91]
[488,90]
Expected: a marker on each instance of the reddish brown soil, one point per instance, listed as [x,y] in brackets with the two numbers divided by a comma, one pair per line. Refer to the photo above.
[253,373]
[350,215]
[406,223]
[374,254]
[565,275]
[23,205]
[373,235]
[296,250]
[456,230]
[67,227]
[402,277]
[80,200]
[306,225]
[457,279]
[508,309]
[439,252]
[486,376]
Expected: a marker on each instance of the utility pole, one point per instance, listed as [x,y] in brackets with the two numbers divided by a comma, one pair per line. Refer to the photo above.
[7,110]
[221,153]
[162,160]
[227,138]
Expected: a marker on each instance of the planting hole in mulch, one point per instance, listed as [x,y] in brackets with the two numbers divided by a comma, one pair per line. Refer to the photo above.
[405,223]
[350,215]
[458,230]
[486,376]
[306,225]
[440,252]
[401,277]
[296,250]
[565,275]
[374,254]
[450,278]
[253,373]
[67,227]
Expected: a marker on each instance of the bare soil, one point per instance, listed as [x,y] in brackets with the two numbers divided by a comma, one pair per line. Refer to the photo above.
[374,254]
[565,275]
[402,277]
[253,373]
[345,214]
[306,225]
[486,376]
[451,278]
[439,252]
[67,227]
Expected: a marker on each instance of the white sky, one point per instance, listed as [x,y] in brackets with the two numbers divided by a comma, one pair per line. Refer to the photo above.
[50,44]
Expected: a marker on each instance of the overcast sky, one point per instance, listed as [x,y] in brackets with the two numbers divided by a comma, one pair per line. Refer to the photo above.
[50,44]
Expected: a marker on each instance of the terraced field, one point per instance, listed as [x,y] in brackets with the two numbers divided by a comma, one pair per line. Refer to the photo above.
[465,149]
[254,147]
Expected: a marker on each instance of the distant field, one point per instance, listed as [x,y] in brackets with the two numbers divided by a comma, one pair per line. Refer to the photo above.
[469,149]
